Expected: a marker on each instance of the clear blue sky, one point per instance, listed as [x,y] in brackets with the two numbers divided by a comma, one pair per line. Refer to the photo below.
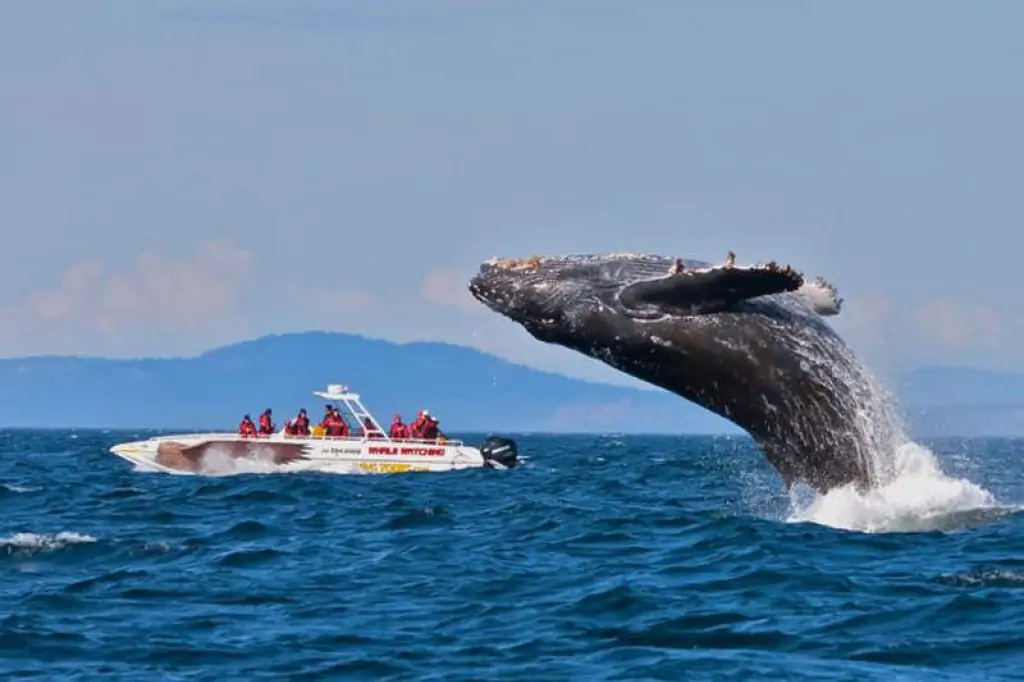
[178,175]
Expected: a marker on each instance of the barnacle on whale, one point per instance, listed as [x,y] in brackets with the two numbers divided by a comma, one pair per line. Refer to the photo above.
[517,263]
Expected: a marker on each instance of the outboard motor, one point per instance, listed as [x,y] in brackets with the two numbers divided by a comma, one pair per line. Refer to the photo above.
[500,453]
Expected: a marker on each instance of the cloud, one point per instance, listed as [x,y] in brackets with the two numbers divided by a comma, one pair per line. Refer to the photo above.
[957,325]
[940,330]
[868,319]
[447,287]
[96,308]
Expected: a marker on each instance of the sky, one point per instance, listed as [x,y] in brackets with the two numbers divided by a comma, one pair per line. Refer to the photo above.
[175,176]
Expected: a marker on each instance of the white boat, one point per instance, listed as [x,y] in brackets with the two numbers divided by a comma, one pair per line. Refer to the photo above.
[203,453]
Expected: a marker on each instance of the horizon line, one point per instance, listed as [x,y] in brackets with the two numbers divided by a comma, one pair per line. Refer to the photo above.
[510,432]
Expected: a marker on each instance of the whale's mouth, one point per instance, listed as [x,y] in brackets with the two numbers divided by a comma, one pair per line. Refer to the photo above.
[515,289]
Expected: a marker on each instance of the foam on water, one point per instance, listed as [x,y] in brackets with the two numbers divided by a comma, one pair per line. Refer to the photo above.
[29,543]
[918,497]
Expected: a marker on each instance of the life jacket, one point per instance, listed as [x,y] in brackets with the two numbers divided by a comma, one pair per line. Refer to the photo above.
[301,426]
[335,426]
[291,428]
[399,430]
[247,429]
[369,430]
[266,426]
[429,430]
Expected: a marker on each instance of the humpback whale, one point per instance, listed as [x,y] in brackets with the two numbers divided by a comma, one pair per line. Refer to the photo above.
[749,343]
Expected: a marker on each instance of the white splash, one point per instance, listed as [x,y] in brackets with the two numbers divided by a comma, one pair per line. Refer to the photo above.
[910,492]
[32,542]
[918,497]
[14,488]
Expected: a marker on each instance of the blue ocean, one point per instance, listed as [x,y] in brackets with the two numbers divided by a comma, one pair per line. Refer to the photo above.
[600,558]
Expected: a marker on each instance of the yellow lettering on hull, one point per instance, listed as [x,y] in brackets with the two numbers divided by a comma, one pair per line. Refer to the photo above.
[389,467]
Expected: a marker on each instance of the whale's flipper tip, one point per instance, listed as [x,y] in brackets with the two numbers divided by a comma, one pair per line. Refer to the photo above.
[822,297]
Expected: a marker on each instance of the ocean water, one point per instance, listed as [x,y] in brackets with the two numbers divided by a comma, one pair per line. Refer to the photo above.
[601,558]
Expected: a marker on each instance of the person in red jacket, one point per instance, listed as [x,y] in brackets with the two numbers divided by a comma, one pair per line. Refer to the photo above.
[369,430]
[429,431]
[343,429]
[301,423]
[247,429]
[399,430]
[325,421]
[333,424]
[416,428]
[266,423]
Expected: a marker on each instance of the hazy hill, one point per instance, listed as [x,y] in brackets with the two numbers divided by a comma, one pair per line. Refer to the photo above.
[467,389]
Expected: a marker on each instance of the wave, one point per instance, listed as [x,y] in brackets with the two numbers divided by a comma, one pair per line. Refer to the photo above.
[32,543]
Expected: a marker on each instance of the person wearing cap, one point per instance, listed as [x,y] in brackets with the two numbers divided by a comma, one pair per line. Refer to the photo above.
[301,423]
[266,423]
[429,430]
[247,429]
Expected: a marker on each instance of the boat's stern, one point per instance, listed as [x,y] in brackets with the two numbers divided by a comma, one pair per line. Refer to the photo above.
[499,452]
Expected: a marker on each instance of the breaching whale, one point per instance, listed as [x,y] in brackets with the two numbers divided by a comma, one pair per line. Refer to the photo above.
[748,343]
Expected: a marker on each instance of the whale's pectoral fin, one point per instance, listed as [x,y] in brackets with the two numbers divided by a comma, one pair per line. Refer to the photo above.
[822,297]
[711,290]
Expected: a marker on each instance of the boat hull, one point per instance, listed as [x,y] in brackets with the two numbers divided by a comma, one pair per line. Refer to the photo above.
[224,453]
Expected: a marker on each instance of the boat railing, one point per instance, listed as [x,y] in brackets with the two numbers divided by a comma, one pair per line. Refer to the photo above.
[229,435]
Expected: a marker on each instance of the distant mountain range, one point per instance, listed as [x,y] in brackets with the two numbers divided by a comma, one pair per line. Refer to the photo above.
[469,390]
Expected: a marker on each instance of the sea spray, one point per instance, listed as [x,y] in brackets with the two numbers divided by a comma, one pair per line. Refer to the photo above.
[909,491]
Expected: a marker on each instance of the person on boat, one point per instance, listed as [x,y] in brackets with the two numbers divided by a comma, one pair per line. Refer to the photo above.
[328,411]
[399,430]
[369,430]
[301,423]
[342,422]
[247,429]
[325,421]
[266,423]
[416,428]
[429,430]
[291,427]
[333,424]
